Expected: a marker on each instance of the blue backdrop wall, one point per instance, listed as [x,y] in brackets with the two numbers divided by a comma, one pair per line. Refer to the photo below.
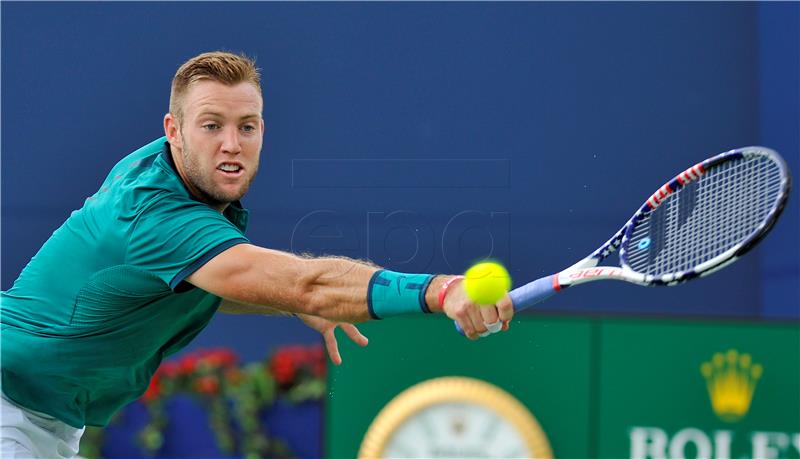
[422,136]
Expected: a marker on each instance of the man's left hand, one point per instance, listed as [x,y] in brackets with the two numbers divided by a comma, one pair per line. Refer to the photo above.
[327,329]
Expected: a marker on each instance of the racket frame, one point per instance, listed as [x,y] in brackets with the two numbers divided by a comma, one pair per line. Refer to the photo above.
[588,269]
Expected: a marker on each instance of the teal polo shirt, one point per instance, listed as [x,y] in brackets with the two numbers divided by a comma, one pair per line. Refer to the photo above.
[88,321]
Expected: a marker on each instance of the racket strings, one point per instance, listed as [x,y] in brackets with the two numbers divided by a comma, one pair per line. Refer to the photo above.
[732,217]
[706,217]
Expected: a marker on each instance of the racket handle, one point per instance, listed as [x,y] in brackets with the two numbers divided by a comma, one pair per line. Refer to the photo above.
[533,292]
[526,296]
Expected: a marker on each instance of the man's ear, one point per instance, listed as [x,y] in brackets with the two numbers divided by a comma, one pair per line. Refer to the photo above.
[172,130]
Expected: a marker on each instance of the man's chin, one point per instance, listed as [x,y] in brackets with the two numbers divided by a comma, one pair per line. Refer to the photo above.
[221,198]
[231,196]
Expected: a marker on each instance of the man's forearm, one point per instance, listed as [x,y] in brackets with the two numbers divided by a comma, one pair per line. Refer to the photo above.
[340,285]
[233,307]
[338,288]
[343,283]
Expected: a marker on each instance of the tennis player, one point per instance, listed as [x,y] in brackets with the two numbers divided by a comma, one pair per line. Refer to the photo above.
[136,273]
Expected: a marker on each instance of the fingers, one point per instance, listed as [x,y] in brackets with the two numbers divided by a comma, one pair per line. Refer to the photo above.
[492,318]
[489,314]
[505,312]
[476,317]
[476,321]
[354,334]
[465,323]
[332,346]
[470,321]
[465,313]
[495,318]
[505,309]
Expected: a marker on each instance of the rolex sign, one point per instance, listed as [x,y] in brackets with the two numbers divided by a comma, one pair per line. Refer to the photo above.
[695,390]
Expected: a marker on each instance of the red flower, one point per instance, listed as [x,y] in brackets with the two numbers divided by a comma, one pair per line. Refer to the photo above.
[168,369]
[153,390]
[207,385]
[233,376]
[219,358]
[228,358]
[284,366]
[319,369]
[317,353]
[188,364]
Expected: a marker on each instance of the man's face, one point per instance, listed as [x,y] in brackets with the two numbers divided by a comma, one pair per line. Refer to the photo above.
[219,140]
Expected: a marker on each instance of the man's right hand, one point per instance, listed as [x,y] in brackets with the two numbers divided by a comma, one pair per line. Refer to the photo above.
[471,317]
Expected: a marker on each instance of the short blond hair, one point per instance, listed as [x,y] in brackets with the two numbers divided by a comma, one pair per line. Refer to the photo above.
[227,68]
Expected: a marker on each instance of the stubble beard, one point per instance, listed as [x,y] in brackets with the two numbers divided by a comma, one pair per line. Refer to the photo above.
[204,184]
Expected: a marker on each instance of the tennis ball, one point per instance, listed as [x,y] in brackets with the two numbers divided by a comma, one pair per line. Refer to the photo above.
[486,282]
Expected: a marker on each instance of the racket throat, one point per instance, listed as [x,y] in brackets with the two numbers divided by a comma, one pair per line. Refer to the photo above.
[572,276]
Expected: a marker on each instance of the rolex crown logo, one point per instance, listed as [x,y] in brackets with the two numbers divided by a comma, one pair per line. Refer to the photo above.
[731,379]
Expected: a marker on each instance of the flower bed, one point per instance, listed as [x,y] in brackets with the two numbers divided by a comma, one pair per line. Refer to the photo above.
[235,396]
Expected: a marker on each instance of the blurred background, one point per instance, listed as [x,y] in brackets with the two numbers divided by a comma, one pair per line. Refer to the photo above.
[425,137]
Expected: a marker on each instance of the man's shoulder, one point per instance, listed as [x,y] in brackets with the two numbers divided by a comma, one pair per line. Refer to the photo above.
[139,181]
[146,173]
[139,160]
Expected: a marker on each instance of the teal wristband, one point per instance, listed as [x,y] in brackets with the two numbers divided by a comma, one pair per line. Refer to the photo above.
[392,294]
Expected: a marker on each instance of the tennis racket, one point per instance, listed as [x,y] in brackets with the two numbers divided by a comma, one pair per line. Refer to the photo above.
[702,220]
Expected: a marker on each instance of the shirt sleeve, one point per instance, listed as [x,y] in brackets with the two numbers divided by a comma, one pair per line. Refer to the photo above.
[174,236]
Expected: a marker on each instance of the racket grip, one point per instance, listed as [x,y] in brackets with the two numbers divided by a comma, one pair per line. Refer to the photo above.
[533,292]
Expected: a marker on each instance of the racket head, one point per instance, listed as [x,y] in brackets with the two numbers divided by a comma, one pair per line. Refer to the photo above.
[706,217]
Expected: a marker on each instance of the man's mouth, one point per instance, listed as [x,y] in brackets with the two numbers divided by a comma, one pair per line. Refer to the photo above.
[230,169]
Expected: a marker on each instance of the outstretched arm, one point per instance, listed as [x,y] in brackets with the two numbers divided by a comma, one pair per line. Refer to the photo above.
[332,288]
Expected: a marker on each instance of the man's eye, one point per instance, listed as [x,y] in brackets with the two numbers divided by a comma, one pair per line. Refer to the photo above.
[211,126]
[248,128]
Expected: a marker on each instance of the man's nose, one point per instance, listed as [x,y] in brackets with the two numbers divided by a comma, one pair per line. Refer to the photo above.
[230,142]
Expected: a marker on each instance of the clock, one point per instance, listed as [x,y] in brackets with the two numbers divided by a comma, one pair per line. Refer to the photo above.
[455,417]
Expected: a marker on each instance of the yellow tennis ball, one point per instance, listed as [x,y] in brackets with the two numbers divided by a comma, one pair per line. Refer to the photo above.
[487,282]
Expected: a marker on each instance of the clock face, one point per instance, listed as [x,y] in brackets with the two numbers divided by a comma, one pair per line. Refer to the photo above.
[456,429]
[454,417]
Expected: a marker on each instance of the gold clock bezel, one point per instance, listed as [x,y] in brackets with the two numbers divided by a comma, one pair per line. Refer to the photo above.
[453,389]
